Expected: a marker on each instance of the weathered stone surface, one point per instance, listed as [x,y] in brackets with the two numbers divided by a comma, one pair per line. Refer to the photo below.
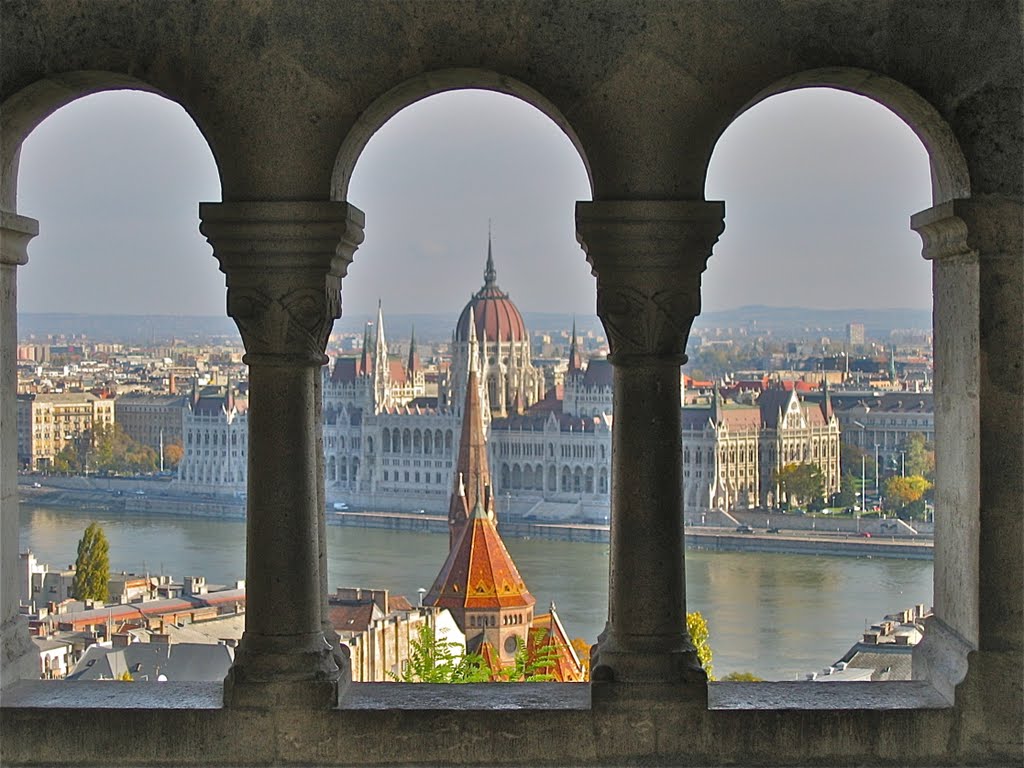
[287,94]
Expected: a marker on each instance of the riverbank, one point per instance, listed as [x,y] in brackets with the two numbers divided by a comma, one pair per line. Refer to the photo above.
[146,496]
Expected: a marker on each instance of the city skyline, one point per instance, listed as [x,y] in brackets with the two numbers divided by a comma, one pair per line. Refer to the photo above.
[518,174]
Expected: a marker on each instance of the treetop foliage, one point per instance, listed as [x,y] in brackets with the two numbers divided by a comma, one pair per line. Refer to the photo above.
[92,566]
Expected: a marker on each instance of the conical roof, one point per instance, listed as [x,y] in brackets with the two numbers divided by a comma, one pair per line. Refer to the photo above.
[479,573]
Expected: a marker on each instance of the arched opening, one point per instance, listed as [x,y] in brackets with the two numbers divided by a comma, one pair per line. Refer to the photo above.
[448,182]
[118,277]
[820,184]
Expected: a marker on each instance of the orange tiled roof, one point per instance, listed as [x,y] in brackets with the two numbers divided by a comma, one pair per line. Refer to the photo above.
[479,572]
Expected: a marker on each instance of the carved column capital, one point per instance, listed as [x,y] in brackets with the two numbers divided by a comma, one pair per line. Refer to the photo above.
[15,232]
[284,262]
[970,228]
[648,257]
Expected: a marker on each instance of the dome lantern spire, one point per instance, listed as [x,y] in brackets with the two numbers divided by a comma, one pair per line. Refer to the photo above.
[490,274]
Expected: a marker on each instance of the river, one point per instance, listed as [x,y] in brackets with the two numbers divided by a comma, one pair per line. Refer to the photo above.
[776,615]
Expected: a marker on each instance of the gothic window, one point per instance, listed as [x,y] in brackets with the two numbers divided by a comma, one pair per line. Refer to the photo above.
[331,469]
[428,442]
[602,481]
[566,479]
[506,477]
[387,441]
[517,477]
[528,477]
[589,483]
[417,442]
[552,479]
[448,441]
[406,441]
[577,480]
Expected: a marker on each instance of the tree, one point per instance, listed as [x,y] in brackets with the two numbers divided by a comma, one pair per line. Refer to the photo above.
[697,627]
[436,660]
[850,461]
[92,566]
[919,456]
[173,453]
[531,667]
[907,492]
[742,677]
[802,482]
[847,495]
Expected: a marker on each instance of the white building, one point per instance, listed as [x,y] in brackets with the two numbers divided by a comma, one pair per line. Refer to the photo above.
[215,437]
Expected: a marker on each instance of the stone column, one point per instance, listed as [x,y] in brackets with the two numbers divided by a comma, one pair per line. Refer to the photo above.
[648,257]
[977,249]
[18,657]
[284,263]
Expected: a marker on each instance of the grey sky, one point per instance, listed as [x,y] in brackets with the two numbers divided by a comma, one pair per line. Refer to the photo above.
[819,186]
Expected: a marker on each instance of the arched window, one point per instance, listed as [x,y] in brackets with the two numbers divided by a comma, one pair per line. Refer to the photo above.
[577,480]
[588,485]
[417,442]
[369,444]
[506,477]
[602,481]
[428,442]
[406,441]
[566,479]
[448,441]
[528,477]
[331,469]
[517,477]
[552,479]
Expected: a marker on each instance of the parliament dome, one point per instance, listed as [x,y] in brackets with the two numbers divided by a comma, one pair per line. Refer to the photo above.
[496,316]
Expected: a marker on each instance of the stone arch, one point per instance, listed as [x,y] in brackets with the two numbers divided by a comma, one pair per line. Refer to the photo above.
[949,172]
[428,442]
[417,441]
[386,441]
[429,84]
[27,108]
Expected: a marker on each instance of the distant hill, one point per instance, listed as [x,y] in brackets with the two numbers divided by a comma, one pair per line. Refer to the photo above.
[789,322]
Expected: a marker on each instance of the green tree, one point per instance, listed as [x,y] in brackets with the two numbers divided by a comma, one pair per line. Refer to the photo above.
[92,566]
[531,667]
[919,456]
[435,660]
[850,461]
[801,482]
[697,627]
[847,495]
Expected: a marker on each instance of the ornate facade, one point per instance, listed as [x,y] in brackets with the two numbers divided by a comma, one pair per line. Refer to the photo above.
[215,438]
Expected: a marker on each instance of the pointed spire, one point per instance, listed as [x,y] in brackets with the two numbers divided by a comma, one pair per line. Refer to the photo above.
[575,359]
[826,401]
[717,405]
[365,360]
[490,275]
[414,365]
[381,344]
[471,468]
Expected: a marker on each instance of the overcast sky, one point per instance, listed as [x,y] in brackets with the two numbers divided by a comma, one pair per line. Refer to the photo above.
[819,186]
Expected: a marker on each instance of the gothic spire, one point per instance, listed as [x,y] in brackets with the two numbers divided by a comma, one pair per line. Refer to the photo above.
[471,470]
[414,364]
[490,275]
[575,359]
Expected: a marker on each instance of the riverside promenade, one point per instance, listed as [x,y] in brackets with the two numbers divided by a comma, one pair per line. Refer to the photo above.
[156,497]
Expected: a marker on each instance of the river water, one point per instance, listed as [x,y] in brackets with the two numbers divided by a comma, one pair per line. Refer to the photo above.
[776,615]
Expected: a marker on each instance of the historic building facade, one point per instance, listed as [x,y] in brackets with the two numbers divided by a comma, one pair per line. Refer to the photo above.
[215,437]
[49,422]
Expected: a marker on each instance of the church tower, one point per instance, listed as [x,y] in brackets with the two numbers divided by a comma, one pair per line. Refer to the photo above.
[479,582]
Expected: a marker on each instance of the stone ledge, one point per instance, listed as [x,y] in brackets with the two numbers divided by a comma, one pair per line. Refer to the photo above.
[762,697]
[791,696]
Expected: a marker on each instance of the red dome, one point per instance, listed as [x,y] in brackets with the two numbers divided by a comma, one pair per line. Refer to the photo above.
[496,316]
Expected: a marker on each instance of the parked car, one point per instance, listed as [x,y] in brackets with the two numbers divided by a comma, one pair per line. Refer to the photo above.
[773,530]
[865,534]
[744,529]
